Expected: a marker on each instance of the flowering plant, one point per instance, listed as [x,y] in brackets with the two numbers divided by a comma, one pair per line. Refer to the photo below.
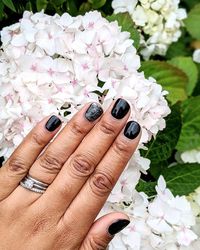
[45,61]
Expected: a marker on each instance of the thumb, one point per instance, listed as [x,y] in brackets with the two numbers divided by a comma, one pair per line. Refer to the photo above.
[103,231]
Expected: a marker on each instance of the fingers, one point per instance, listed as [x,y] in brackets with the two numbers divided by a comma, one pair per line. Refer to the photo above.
[23,157]
[51,161]
[86,157]
[103,231]
[96,190]
[48,165]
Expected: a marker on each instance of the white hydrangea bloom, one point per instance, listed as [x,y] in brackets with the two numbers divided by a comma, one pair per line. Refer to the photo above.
[158,21]
[162,223]
[191,156]
[45,62]
[55,64]
[194,199]
[196,56]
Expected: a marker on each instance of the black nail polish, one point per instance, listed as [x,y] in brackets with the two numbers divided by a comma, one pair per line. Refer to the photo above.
[53,123]
[93,112]
[120,108]
[132,130]
[117,226]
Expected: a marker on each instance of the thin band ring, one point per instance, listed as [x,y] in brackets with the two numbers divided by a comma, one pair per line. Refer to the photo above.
[33,185]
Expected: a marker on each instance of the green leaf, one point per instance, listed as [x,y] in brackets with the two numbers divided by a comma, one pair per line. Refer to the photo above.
[185,63]
[190,3]
[41,4]
[178,49]
[170,77]
[125,21]
[58,2]
[182,179]
[161,148]
[147,187]
[72,7]
[1,10]
[192,22]
[85,7]
[96,4]
[9,4]
[157,168]
[190,132]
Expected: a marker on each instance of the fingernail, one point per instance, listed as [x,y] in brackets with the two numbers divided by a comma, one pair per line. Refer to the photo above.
[117,226]
[93,112]
[132,129]
[120,108]
[53,123]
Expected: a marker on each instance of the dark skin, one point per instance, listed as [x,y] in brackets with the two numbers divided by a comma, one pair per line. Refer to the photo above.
[81,166]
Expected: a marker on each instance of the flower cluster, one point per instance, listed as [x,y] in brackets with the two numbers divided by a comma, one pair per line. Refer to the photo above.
[162,223]
[55,64]
[158,21]
[194,199]
[45,62]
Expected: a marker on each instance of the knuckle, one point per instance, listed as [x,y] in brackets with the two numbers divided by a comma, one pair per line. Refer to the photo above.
[107,128]
[101,184]
[82,166]
[50,163]
[17,165]
[38,139]
[77,129]
[39,223]
[96,243]
[121,148]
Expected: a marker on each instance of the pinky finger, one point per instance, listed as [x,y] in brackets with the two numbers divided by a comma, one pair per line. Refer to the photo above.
[103,230]
[18,165]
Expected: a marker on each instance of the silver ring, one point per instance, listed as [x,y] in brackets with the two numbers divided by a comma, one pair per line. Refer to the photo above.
[33,185]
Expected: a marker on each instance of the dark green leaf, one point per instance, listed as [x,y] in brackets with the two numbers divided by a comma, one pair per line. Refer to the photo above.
[72,7]
[161,148]
[147,187]
[125,21]
[1,10]
[182,179]
[9,4]
[85,7]
[185,63]
[96,4]
[192,22]
[170,77]
[190,132]
[41,4]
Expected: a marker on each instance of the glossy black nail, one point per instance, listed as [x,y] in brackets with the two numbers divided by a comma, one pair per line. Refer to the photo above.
[53,123]
[93,112]
[117,226]
[120,108]
[132,129]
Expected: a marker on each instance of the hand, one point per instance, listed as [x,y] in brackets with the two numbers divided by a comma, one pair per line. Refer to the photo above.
[81,166]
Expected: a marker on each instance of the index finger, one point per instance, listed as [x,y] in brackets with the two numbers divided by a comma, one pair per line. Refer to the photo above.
[98,187]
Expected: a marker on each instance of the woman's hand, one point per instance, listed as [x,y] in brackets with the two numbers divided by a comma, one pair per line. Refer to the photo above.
[81,166]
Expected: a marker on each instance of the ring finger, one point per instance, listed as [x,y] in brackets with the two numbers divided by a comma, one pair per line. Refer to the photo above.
[48,165]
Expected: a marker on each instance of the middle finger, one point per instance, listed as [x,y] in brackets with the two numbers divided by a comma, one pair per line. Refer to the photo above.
[86,157]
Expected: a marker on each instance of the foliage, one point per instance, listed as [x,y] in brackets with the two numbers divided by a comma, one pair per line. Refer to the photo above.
[176,72]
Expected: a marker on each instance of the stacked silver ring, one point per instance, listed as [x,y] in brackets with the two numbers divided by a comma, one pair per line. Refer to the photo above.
[33,185]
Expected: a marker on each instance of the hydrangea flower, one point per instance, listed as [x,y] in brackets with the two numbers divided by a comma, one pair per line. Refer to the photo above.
[162,223]
[56,64]
[194,199]
[45,62]
[158,21]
